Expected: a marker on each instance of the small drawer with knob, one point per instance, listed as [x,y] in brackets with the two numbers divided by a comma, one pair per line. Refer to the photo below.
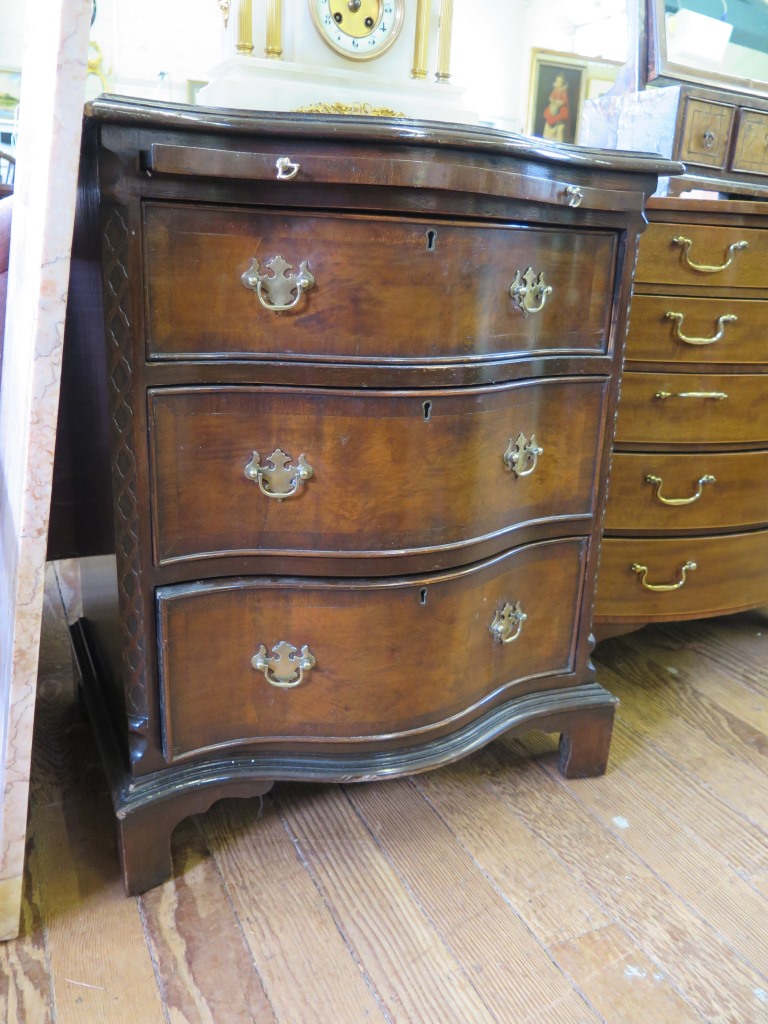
[706,132]
[247,470]
[682,577]
[311,664]
[240,283]
[674,409]
[750,150]
[685,329]
[668,493]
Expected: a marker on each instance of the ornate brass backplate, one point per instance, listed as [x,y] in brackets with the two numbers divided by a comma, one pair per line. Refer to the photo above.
[280,478]
[529,292]
[508,623]
[522,455]
[286,666]
[283,290]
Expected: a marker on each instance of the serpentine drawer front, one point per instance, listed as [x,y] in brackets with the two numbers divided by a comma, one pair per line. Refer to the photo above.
[688,480]
[243,470]
[230,282]
[349,402]
[356,689]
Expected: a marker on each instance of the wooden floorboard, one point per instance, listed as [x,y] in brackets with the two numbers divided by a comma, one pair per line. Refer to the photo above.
[492,890]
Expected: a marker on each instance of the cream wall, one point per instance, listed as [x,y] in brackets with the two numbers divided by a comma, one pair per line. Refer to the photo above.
[153,48]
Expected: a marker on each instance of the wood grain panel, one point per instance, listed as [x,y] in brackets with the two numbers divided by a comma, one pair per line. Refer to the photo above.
[705,969]
[384,292]
[737,499]
[205,968]
[660,260]
[419,981]
[308,969]
[652,335]
[362,636]
[739,418]
[391,472]
[730,576]
[83,891]
[529,875]
[620,981]
[423,850]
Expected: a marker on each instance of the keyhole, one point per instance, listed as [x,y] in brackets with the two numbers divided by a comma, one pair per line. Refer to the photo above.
[423,595]
[427,407]
[431,240]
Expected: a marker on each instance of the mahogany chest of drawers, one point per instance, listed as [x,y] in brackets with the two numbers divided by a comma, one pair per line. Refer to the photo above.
[360,380]
[685,527]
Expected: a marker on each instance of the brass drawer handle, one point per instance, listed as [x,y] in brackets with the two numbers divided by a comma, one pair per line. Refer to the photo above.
[529,293]
[657,482]
[718,396]
[708,138]
[574,196]
[522,455]
[286,666]
[286,168]
[508,623]
[279,286]
[663,587]
[727,318]
[704,268]
[282,479]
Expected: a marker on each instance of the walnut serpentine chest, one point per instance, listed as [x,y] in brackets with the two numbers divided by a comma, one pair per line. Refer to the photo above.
[354,383]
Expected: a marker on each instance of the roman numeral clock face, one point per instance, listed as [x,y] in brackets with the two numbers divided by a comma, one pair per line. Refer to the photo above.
[358,29]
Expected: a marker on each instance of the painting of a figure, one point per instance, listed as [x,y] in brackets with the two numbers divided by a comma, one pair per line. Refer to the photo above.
[556,94]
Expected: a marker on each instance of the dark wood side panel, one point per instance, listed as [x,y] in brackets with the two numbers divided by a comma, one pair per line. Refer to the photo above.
[402,656]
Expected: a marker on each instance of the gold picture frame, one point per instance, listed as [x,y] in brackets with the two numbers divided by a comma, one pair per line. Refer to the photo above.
[559,85]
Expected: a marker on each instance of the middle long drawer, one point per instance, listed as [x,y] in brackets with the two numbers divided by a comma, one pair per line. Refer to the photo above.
[246,470]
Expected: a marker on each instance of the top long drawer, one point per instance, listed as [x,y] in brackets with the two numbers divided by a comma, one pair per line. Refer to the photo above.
[705,255]
[241,283]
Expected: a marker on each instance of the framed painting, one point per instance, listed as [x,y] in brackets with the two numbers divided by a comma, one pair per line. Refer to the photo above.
[560,82]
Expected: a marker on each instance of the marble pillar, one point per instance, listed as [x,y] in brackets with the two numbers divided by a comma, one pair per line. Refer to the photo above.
[52,93]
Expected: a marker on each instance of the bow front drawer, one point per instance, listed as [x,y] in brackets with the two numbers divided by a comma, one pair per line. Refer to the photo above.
[703,254]
[310,662]
[249,470]
[685,329]
[688,408]
[240,283]
[670,493]
[644,578]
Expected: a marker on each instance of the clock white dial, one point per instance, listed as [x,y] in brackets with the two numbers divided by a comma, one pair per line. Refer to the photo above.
[358,29]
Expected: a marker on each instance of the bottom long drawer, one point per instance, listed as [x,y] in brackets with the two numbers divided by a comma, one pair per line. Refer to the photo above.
[265,660]
[653,579]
